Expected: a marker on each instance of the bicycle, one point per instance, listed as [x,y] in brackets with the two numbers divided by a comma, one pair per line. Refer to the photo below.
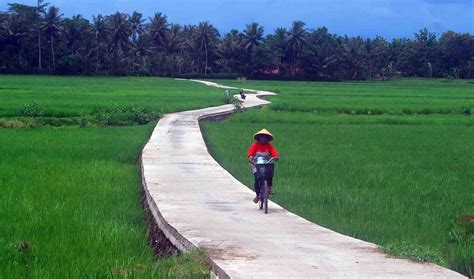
[265,170]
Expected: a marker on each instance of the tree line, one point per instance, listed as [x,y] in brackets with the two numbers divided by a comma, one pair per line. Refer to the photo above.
[39,39]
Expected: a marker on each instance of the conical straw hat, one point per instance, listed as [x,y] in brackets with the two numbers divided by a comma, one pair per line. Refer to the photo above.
[263,132]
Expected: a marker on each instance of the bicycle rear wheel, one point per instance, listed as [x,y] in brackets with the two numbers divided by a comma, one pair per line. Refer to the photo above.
[261,196]
[266,193]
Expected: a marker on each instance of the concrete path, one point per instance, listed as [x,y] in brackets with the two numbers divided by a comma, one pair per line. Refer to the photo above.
[197,203]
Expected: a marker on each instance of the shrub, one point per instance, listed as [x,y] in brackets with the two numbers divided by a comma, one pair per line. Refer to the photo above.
[238,105]
[140,116]
[33,110]
[466,110]
[426,111]
[228,98]
[83,121]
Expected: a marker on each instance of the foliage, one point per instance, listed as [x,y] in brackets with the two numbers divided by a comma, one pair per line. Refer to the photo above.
[41,40]
[33,110]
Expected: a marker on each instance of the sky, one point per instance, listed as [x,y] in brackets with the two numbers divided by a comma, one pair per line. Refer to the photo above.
[367,18]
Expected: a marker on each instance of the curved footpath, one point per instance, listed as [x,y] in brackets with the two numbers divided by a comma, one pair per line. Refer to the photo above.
[196,203]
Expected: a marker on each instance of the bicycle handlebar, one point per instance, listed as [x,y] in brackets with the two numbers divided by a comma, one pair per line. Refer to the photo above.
[272,159]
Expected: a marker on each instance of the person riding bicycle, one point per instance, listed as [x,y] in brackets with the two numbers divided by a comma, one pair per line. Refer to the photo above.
[261,148]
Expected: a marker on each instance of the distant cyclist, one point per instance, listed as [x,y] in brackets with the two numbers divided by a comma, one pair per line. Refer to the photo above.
[242,94]
[261,148]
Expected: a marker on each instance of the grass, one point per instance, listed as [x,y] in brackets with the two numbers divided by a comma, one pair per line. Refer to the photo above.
[70,196]
[403,96]
[395,179]
[75,96]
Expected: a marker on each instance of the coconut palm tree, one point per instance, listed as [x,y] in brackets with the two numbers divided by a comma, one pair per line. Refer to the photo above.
[174,39]
[14,32]
[52,26]
[98,30]
[253,36]
[40,9]
[277,44]
[140,50]
[296,40]
[206,36]
[136,24]
[230,51]
[157,29]
[354,57]
[119,29]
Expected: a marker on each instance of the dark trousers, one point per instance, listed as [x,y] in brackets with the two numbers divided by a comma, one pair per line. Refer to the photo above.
[258,182]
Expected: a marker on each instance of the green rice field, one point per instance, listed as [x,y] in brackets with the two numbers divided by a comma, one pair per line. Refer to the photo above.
[70,204]
[388,162]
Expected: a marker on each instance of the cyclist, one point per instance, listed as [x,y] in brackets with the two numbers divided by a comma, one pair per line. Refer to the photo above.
[261,148]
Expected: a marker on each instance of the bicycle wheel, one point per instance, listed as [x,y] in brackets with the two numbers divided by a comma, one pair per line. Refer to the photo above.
[261,196]
[266,193]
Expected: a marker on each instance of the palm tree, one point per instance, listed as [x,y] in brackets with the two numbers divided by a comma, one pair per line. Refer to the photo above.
[12,30]
[354,57]
[74,30]
[277,44]
[52,26]
[40,11]
[99,32]
[190,48]
[230,51]
[119,29]
[158,28]
[136,24]
[296,40]
[140,51]
[206,35]
[253,36]
[174,39]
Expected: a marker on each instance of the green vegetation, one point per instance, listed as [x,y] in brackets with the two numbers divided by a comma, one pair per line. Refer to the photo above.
[39,39]
[395,178]
[75,96]
[70,195]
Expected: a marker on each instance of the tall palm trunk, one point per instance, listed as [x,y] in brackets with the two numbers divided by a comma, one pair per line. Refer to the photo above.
[39,50]
[294,62]
[97,62]
[205,69]
[39,34]
[52,52]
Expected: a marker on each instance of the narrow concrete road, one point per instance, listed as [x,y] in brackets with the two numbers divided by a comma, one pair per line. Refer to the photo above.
[197,203]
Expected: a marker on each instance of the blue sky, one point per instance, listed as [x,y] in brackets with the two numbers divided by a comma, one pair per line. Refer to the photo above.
[389,18]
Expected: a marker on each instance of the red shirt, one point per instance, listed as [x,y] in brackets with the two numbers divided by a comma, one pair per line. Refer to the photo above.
[259,147]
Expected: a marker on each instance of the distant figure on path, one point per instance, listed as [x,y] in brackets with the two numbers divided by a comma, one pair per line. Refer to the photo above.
[261,148]
[242,95]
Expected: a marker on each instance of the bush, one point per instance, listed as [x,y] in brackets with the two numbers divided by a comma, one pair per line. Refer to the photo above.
[140,117]
[466,110]
[33,110]
[228,98]
[123,115]
[83,121]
